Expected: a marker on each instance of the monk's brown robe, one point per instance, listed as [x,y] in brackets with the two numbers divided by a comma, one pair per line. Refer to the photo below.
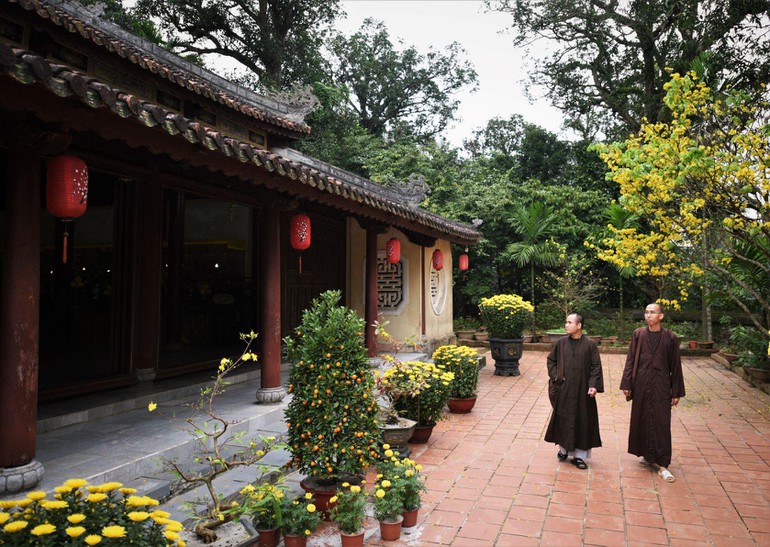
[575,419]
[658,380]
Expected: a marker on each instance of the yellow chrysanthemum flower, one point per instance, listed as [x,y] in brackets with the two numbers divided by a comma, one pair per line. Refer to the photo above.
[174,526]
[138,516]
[109,486]
[96,497]
[114,532]
[75,483]
[171,536]
[160,513]
[128,491]
[43,530]
[4,517]
[35,496]
[380,493]
[310,508]
[76,518]
[75,531]
[151,407]
[51,504]
[15,526]
[93,539]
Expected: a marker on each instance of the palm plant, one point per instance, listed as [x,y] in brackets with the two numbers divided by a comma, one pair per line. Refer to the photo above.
[534,224]
[620,218]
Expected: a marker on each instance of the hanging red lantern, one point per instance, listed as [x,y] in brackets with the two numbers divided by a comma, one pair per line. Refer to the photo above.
[299,231]
[438,259]
[393,251]
[66,191]
[462,262]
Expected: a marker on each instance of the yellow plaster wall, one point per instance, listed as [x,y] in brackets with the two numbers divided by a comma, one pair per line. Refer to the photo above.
[407,323]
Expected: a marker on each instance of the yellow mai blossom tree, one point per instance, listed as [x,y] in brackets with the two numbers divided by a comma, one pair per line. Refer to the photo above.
[700,186]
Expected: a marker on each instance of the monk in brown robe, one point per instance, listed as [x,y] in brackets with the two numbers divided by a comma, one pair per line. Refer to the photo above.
[656,388]
[574,424]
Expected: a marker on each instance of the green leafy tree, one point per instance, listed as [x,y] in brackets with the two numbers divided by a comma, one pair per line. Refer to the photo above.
[606,63]
[398,90]
[278,41]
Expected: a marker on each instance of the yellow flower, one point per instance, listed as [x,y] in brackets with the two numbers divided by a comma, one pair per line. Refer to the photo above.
[109,486]
[388,453]
[380,493]
[355,488]
[50,504]
[308,496]
[138,516]
[93,539]
[151,407]
[128,491]
[386,446]
[43,530]
[310,508]
[8,504]
[75,483]
[76,518]
[386,483]
[160,513]
[114,532]
[75,531]
[332,499]
[96,497]
[4,517]
[308,532]
[62,489]
[35,496]
[16,526]
[170,535]
[174,526]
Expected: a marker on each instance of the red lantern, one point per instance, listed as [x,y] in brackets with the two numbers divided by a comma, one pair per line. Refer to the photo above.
[66,191]
[462,262]
[299,231]
[393,251]
[438,259]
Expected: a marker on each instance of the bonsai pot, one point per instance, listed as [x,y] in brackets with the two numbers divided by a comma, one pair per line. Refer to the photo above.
[465,334]
[760,374]
[397,435]
[705,344]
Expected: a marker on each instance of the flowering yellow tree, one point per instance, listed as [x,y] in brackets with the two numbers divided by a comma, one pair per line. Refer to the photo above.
[700,185]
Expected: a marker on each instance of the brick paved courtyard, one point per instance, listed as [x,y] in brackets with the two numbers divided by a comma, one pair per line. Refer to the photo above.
[492,480]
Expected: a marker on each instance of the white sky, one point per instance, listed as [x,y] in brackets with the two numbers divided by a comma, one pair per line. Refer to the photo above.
[500,67]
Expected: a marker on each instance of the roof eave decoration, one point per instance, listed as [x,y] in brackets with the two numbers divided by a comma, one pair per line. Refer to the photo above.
[64,81]
[76,19]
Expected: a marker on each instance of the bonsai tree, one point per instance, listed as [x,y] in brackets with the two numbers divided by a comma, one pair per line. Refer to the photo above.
[333,429]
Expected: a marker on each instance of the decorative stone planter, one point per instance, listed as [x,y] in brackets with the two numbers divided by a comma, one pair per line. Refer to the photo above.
[398,435]
[759,374]
[465,334]
[481,336]
[506,353]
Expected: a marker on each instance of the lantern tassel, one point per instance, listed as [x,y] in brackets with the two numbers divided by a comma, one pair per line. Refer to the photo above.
[64,247]
[300,263]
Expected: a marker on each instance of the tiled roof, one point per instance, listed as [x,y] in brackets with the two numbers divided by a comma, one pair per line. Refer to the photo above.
[29,68]
[164,64]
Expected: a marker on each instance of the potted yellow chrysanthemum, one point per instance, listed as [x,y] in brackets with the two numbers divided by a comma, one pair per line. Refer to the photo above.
[505,316]
[348,510]
[462,361]
[300,519]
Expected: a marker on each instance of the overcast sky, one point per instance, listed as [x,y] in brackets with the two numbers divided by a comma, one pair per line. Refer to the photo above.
[500,67]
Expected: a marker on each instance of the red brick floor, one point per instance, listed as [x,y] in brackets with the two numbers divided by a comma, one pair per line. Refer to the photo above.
[492,480]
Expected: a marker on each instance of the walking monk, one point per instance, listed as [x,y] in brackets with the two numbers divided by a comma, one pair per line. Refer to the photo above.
[653,377]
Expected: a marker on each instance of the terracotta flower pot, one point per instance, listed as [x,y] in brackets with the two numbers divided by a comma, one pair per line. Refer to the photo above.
[421,434]
[352,540]
[692,344]
[290,540]
[321,493]
[410,518]
[461,406]
[269,538]
[390,530]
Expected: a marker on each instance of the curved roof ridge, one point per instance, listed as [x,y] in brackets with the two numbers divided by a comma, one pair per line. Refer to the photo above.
[149,56]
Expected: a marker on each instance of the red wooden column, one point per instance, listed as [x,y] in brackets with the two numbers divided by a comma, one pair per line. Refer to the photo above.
[370,307]
[271,390]
[149,214]
[19,324]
